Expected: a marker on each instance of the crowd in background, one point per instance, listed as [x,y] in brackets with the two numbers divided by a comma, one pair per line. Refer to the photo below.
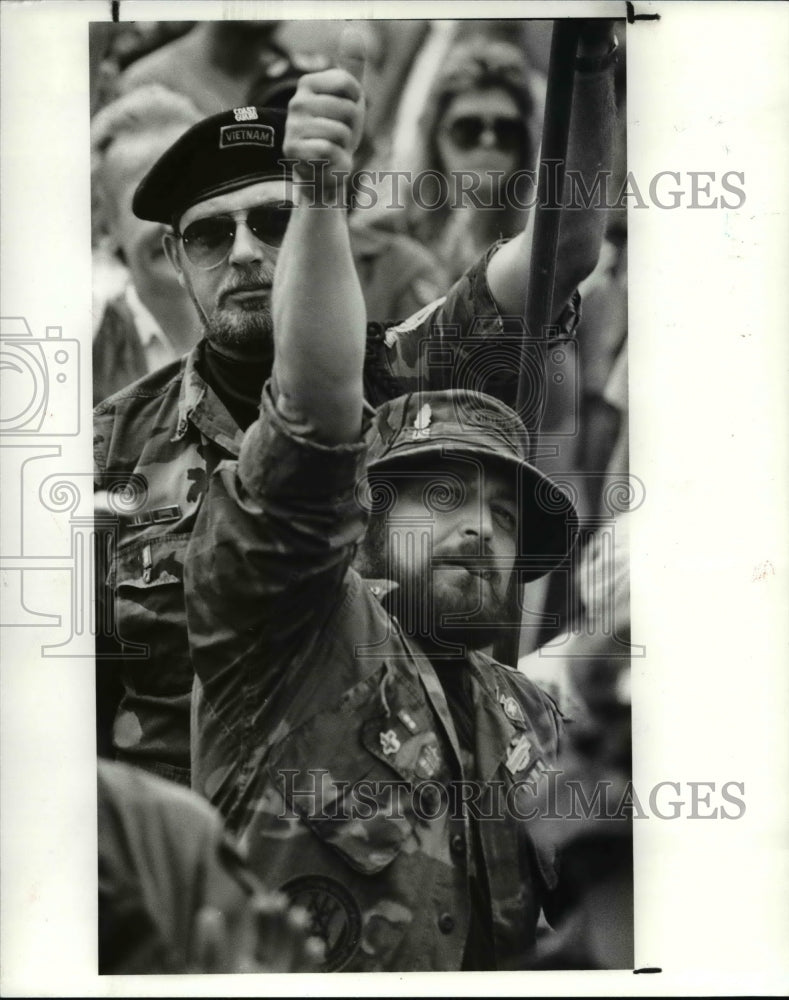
[442,97]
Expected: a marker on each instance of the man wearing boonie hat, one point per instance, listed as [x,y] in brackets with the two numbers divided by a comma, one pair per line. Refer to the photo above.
[225,193]
[375,764]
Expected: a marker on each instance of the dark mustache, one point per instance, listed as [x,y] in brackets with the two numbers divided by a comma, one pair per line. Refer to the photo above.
[468,555]
[247,281]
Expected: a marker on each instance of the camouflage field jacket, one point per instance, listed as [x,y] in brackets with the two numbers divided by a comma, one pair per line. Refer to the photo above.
[165,434]
[323,735]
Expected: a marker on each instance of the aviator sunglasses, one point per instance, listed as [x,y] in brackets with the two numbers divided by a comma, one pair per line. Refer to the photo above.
[207,242]
[466,131]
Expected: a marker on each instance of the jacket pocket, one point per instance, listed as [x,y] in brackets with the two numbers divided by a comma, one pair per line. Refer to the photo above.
[149,563]
[349,772]
[146,581]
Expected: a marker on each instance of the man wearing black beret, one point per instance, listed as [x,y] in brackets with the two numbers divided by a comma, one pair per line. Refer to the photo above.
[225,192]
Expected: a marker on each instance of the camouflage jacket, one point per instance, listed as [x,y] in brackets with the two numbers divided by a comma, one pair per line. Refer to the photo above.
[159,440]
[323,734]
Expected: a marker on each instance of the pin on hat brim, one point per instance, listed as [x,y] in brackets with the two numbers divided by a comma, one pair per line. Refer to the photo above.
[416,433]
[548,521]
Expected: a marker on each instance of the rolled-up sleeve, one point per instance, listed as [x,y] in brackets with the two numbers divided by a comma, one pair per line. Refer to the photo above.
[273,540]
[461,340]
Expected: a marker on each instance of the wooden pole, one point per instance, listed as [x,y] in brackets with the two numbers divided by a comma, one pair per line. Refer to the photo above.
[539,291]
[547,217]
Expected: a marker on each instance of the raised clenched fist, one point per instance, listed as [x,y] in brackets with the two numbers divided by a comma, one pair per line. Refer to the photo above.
[326,118]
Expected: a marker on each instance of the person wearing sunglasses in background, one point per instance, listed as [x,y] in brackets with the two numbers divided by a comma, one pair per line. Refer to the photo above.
[223,190]
[481,122]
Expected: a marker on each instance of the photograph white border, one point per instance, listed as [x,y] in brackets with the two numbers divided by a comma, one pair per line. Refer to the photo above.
[708,90]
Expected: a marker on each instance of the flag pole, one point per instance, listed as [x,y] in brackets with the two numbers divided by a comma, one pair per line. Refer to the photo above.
[547,215]
[530,399]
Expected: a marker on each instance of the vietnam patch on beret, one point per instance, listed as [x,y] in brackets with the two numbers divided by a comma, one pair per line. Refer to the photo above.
[223,153]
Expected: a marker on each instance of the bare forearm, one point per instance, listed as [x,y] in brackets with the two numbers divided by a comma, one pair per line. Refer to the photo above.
[589,159]
[319,325]
[318,307]
[589,154]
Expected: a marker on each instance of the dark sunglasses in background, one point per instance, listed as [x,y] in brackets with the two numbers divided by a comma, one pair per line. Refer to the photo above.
[207,242]
[466,131]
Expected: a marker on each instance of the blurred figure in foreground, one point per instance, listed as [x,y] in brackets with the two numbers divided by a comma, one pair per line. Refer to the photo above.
[174,893]
[136,294]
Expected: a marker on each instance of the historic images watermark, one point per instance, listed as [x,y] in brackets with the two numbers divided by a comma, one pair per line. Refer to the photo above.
[434,190]
[544,794]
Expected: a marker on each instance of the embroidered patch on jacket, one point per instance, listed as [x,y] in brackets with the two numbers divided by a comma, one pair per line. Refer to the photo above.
[521,753]
[334,915]
[429,761]
[390,744]
[511,708]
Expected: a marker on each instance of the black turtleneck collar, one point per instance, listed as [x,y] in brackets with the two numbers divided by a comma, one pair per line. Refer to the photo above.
[237,381]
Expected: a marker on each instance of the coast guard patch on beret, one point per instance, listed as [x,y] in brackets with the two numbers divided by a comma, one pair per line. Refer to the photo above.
[245,135]
[249,114]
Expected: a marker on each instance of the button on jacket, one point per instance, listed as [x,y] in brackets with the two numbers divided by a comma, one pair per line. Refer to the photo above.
[165,434]
[323,735]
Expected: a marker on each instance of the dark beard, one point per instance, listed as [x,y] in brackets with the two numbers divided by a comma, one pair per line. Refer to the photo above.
[239,329]
[425,598]
[251,328]
[465,613]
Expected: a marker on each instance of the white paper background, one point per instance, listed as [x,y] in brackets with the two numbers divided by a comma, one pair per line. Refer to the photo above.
[708,89]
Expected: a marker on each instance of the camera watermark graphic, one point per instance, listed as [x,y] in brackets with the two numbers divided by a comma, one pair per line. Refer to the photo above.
[493,354]
[40,404]
[40,381]
[39,407]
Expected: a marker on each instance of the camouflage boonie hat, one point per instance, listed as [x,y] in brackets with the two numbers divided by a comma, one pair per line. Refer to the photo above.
[415,430]
[220,154]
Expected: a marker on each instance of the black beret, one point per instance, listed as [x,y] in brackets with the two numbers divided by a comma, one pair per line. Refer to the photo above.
[222,153]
